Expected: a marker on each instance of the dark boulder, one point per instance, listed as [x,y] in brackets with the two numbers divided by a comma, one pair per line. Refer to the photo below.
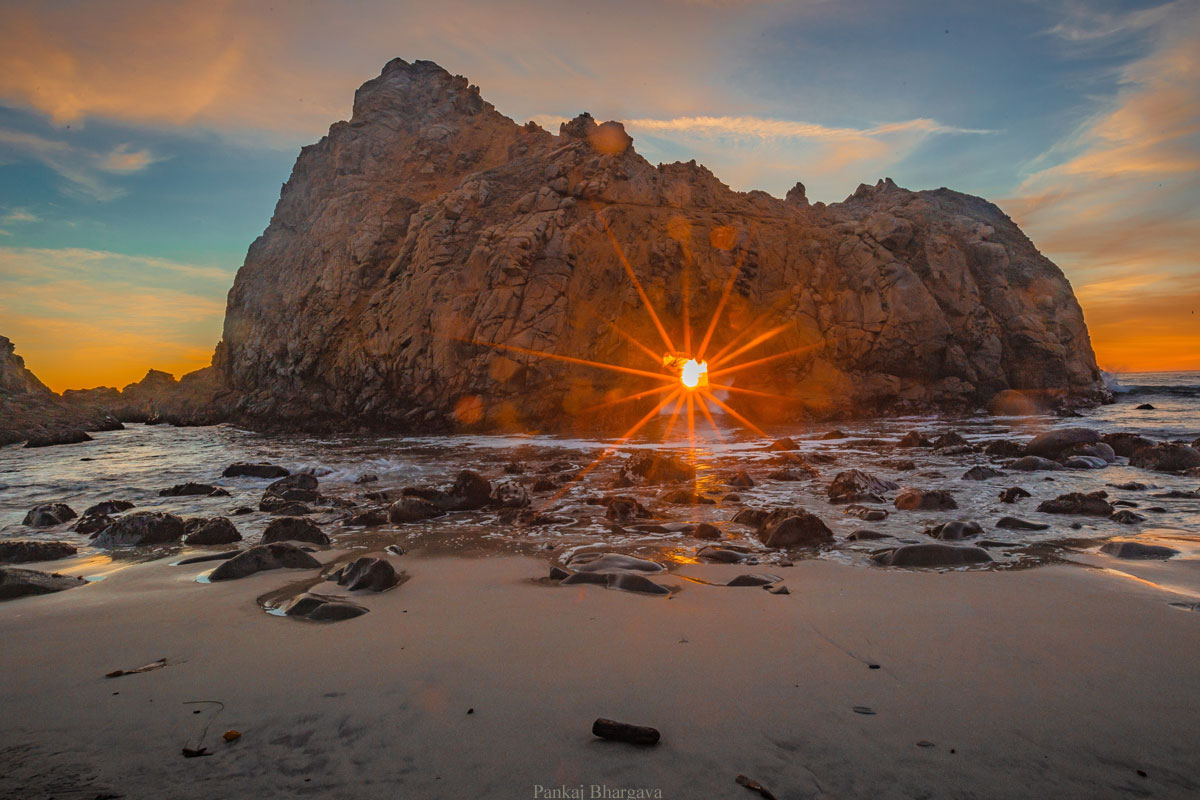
[626,581]
[740,480]
[865,512]
[469,492]
[1127,517]
[1051,443]
[1013,493]
[1145,407]
[249,470]
[193,490]
[323,609]
[1137,550]
[300,480]
[279,555]
[372,517]
[1166,458]
[950,439]
[66,436]
[412,509]
[723,555]
[90,524]
[750,516]
[867,536]
[1004,448]
[509,494]
[915,439]
[1126,444]
[931,555]
[1020,525]
[686,497]
[799,529]
[660,468]
[1092,504]
[1035,464]
[294,529]
[925,500]
[621,508]
[1084,462]
[203,531]
[1090,450]
[754,579]
[108,507]
[47,515]
[611,562]
[853,484]
[141,528]
[954,530]
[16,583]
[981,472]
[368,573]
[784,445]
[24,552]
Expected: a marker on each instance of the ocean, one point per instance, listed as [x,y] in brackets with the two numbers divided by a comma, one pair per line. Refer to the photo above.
[136,463]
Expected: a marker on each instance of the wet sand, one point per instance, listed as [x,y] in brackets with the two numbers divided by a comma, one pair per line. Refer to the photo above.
[1053,682]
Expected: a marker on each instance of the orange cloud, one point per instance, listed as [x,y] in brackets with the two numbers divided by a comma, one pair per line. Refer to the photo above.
[1117,204]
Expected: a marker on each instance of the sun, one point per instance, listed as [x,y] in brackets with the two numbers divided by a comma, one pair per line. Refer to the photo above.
[693,374]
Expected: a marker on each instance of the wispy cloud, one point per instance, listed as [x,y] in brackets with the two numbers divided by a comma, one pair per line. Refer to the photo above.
[18,215]
[1084,24]
[1117,202]
[84,170]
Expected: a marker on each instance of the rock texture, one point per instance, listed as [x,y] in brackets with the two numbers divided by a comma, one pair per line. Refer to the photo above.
[430,222]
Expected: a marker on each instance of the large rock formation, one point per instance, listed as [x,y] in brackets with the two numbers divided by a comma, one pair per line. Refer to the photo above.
[417,244]
[429,222]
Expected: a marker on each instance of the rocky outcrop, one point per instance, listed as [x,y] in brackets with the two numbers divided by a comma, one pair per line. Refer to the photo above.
[429,223]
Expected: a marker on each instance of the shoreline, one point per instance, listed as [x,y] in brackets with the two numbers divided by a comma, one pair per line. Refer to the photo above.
[1055,681]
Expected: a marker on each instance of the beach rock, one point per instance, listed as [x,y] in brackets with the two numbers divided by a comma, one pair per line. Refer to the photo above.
[800,529]
[660,468]
[1090,450]
[255,470]
[16,583]
[412,509]
[754,579]
[915,439]
[375,574]
[558,573]
[1020,524]
[222,556]
[622,508]
[1145,407]
[703,530]
[612,562]
[954,530]
[470,491]
[365,478]
[293,529]
[786,444]
[299,480]
[209,531]
[1092,504]
[925,500]
[950,439]
[108,507]
[193,490]
[1133,550]
[47,515]
[867,536]
[64,436]
[1084,462]
[289,509]
[1004,448]
[1166,458]
[90,524]
[1035,464]
[624,732]
[509,494]
[686,497]
[931,555]
[1013,493]
[865,513]
[322,609]
[787,475]
[278,555]
[1130,486]
[750,516]
[1127,517]
[981,473]
[854,483]
[722,555]
[24,552]
[1051,443]
[141,528]
[627,581]
[371,518]
[740,479]
[832,435]
[1126,444]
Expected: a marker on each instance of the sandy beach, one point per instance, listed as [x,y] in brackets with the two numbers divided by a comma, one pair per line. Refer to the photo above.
[476,678]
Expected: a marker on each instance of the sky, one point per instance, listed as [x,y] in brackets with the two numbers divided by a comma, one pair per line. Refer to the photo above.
[143,144]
